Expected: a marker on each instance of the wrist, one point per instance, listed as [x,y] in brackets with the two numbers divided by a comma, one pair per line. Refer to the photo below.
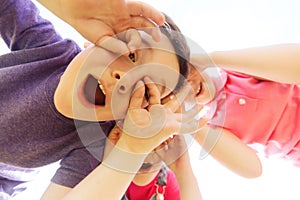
[134,145]
[183,173]
[122,160]
[180,167]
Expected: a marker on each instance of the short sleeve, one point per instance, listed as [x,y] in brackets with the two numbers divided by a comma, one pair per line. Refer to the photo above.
[75,167]
[21,26]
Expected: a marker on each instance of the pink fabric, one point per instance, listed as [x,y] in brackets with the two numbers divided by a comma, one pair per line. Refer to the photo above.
[135,192]
[262,112]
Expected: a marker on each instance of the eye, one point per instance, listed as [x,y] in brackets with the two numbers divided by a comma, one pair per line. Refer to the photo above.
[132,57]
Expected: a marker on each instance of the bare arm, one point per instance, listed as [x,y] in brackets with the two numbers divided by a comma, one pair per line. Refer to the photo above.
[178,160]
[100,183]
[188,184]
[98,19]
[230,151]
[279,63]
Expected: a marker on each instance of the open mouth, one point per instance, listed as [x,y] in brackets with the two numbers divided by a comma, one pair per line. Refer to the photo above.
[199,90]
[94,92]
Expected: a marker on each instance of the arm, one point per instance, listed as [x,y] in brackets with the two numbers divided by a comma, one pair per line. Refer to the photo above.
[222,144]
[188,184]
[98,19]
[230,151]
[279,63]
[187,180]
[104,182]
[21,25]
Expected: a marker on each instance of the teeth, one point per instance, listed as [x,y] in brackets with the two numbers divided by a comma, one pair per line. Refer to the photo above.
[101,87]
[199,89]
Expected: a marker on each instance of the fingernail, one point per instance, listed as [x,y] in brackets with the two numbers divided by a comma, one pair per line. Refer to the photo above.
[138,85]
[131,48]
[157,35]
[147,80]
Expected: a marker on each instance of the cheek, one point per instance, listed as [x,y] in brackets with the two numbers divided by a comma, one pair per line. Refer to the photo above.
[195,84]
[206,96]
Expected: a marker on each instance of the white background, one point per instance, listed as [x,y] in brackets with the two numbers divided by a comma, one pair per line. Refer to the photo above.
[222,25]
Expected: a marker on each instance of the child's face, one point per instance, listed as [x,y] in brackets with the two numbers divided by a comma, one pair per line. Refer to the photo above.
[201,85]
[86,89]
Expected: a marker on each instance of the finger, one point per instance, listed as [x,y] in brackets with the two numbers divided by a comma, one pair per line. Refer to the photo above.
[154,94]
[94,31]
[192,127]
[133,39]
[178,99]
[185,93]
[147,26]
[137,97]
[191,114]
[188,128]
[140,8]
[168,98]
[114,45]
[173,105]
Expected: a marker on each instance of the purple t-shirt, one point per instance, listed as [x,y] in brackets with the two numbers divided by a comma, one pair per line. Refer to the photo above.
[32,132]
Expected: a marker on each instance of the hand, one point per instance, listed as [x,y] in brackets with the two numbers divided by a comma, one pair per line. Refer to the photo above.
[186,100]
[175,153]
[98,19]
[146,128]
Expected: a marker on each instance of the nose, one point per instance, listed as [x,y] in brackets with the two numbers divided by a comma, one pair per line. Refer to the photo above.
[117,74]
[123,85]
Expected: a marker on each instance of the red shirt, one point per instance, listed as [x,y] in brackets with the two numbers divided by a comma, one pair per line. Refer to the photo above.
[262,112]
[135,192]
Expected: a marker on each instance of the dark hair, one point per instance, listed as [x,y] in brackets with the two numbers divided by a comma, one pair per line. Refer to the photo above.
[182,50]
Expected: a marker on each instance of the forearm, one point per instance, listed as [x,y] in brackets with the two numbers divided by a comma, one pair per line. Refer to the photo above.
[54,6]
[279,63]
[188,184]
[230,151]
[104,183]
[110,180]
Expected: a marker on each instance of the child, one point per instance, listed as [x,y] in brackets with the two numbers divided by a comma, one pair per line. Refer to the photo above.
[261,101]
[153,178]
[33,132]
[130,153]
